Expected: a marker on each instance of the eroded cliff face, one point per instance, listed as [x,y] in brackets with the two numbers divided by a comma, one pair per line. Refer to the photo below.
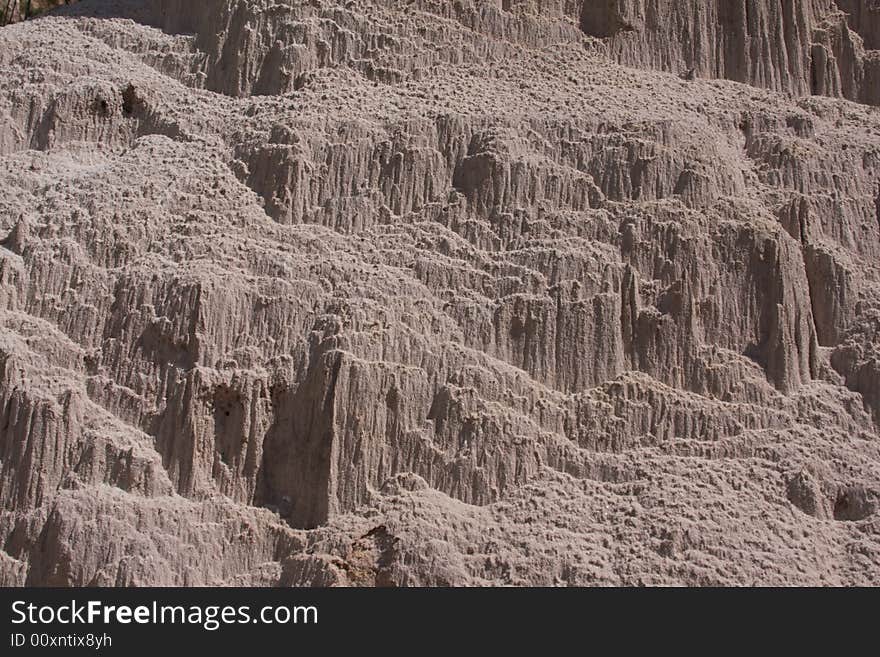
[13,11]
[353,293]
[825,47]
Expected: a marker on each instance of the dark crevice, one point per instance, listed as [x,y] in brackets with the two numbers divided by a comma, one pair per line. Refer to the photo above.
[296,472]
[603,20]
[877,206]
[854,503]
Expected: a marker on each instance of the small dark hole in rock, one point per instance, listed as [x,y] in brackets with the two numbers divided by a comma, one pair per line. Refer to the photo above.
[129,100]
[102,107]
[853,504]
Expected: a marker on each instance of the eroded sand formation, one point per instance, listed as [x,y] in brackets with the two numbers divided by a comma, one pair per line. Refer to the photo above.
[12,11]
[429,292]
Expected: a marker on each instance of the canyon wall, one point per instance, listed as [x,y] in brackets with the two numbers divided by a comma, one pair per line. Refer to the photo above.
[825,47]
[476,292]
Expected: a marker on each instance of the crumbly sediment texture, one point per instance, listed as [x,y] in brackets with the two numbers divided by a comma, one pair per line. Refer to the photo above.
[439,293]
